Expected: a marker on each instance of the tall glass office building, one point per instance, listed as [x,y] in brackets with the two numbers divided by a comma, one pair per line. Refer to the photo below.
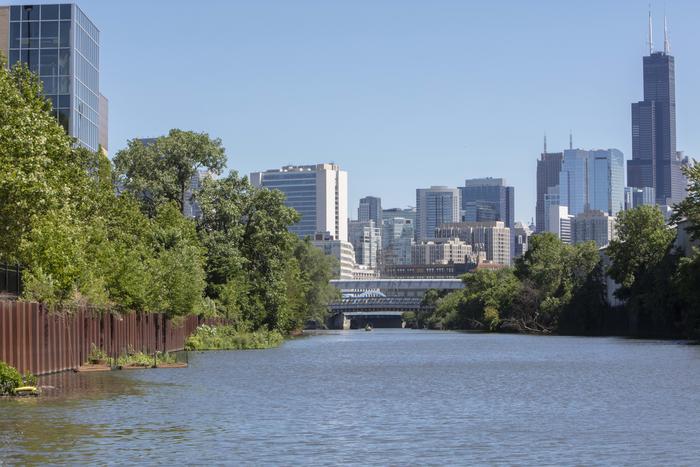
[655,162]
[592,180]
[435,206]
[62,45]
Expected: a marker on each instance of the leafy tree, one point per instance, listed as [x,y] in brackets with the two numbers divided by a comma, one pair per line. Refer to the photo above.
[178,263]
[488,296]
[643,240]
[644,265]
[686,282]
[162,172]
[689,208]
[316,271]
[553,273]
[37,172]
[244,230]
[688,275]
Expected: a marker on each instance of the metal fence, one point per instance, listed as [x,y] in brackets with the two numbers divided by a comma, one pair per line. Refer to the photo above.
[10,279]
[41,342]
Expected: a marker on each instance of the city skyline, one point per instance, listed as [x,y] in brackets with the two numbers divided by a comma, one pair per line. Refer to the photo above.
[437,111]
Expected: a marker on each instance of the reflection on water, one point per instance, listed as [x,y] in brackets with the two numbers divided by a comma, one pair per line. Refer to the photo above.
[385,397]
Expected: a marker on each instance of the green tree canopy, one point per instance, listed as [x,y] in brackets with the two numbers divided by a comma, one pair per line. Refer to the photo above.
[642,242]
[689,208]
[162,171]
[38,173]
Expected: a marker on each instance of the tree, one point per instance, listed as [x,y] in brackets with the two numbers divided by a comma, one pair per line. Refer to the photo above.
[162,171]
[37,170]
[552,273]
[688,274]
[244,230]
[689,208]
[644,264]
[316,270]
[643,240]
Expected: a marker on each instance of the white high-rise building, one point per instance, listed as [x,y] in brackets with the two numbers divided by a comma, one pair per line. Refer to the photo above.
[435,206]
[341,250]
[318,192]
[559,222]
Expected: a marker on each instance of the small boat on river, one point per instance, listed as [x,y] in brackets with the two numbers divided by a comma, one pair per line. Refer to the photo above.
[368,327]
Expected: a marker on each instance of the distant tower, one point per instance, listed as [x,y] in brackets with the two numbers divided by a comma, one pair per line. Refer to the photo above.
[655,162]
[548,168]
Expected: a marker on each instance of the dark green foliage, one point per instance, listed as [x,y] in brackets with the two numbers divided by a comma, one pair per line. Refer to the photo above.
[689,208]
[644,263]
[687,283]
[257,272]
[551,282]
[10,379]
[643,240]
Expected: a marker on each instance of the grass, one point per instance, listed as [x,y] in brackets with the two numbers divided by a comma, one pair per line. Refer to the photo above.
[230,338]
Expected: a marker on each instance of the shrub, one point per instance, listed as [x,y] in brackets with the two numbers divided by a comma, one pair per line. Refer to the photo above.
[231,338]
[10,379]
[97,355]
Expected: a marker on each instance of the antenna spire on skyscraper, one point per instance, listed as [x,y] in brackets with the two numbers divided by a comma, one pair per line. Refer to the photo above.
[571,140]
[545,143]
[651,37]
[667,43]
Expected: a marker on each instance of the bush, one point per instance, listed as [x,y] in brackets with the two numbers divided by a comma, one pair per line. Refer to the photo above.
[144,360]
[136,359]
[231,338]
[10,379]
[97,355]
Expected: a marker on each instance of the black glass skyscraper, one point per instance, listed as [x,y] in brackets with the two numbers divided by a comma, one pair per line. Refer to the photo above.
[655,162]
[488,199]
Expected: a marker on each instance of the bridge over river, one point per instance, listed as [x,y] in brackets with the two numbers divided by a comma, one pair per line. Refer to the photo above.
[382,302]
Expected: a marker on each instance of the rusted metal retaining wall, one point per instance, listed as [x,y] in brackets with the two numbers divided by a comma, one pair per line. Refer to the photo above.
[32,339]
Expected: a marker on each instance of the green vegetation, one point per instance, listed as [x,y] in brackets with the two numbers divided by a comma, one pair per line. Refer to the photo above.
[82,243]
[231,338]
[560,288]
[97,356]
[140,359]
[11,379]
[535,296]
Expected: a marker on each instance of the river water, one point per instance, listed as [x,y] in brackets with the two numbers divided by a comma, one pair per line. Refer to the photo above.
[384,397]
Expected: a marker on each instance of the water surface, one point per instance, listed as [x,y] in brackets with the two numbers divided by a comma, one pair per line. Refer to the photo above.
[382,397]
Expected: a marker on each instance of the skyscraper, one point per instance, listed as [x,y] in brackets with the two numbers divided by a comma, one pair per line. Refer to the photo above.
[366,239]
[435,206]
[655,161]
[397,237]
[592,180]
[61,45]
[488,199]
[370,209]
[548,169]
[319,193]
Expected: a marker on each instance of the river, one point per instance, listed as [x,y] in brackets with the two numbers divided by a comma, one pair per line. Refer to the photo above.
[383,397]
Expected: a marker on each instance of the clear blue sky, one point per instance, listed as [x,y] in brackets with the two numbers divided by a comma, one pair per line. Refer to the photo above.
[402,94]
